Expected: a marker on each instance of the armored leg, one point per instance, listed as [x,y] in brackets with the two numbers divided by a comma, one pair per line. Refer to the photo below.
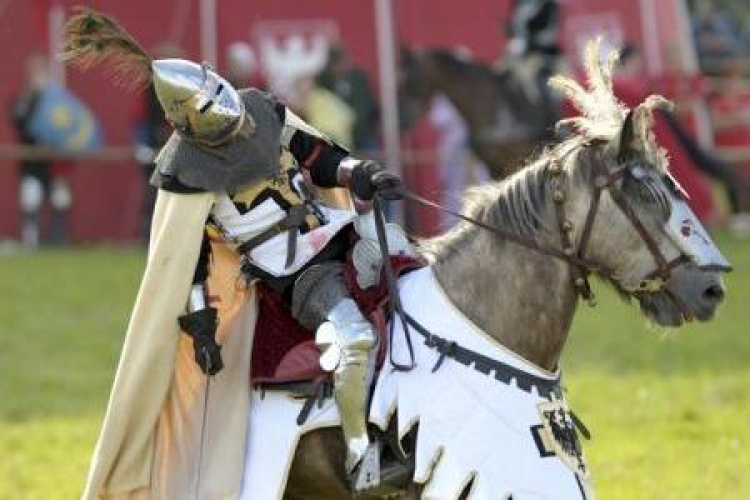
[347,340]
[321,302]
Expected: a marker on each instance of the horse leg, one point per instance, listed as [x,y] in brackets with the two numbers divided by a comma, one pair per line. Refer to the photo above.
[317,471]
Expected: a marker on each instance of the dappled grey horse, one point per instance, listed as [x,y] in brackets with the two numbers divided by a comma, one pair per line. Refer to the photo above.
[482,413]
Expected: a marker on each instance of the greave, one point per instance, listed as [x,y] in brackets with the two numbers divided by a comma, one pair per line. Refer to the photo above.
[347,344]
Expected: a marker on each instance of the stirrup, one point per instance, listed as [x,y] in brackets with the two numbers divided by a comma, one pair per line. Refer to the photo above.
[366,475]
[372,478]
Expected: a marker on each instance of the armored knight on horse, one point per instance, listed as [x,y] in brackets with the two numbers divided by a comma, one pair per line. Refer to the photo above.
[228,143]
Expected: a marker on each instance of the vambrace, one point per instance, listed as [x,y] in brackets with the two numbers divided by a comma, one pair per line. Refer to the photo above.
[314,151]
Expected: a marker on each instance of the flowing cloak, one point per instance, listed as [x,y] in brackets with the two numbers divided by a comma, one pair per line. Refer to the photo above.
[149,443]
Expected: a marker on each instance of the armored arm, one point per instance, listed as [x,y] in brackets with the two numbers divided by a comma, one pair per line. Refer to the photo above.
[201,320]
[331,165]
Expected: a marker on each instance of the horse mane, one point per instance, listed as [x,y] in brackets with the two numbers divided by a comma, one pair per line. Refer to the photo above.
[516,204]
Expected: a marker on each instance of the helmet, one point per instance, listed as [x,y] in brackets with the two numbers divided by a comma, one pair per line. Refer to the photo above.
[199,103]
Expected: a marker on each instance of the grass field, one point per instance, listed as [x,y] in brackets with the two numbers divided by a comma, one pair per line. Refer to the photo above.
[670,412]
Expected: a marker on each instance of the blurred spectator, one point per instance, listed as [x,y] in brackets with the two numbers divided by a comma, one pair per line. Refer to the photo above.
[457,166]
[243,69]
[533,51]
[730,112]
[322,109]
[48,116]
[350,83]
[534,28]
[717,39]
[151,131]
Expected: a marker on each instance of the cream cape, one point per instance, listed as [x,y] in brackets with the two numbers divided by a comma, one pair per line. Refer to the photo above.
[148,447]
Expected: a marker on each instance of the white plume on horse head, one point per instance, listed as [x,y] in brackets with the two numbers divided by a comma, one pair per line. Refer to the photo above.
[602,113]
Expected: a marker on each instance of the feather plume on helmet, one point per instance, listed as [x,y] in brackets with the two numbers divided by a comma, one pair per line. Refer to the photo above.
[201,105]
[92,38]
[602,113]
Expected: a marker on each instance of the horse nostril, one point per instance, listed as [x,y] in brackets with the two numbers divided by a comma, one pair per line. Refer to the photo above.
[714,293]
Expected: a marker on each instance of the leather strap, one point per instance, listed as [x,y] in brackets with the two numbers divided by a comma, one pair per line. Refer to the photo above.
[294,219]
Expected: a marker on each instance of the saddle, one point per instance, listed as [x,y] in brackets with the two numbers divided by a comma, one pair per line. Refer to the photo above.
[285,356]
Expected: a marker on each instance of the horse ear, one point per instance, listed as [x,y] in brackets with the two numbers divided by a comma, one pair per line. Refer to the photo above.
[628,142]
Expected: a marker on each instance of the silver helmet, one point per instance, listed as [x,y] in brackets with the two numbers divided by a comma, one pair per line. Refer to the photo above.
[199,103]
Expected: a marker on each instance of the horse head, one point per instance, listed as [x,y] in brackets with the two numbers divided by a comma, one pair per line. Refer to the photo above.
[636,228]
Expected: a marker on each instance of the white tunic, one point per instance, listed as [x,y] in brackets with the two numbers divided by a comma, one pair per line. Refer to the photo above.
[237,227]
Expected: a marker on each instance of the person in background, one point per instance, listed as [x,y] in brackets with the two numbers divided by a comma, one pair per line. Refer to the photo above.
[717,39]
[730,113]
[458,167]
[39,177]
[351,84]
[533,53]
[323,109]
[242,66]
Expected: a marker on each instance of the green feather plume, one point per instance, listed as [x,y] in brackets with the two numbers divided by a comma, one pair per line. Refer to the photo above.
[92,38]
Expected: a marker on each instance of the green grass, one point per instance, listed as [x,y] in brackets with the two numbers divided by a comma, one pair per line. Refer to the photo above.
[670,412]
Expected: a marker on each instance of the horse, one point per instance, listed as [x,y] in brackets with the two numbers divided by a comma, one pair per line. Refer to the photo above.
[506,116]
[481,413]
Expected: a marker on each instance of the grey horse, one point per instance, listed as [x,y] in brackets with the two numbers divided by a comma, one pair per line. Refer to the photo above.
[603,203]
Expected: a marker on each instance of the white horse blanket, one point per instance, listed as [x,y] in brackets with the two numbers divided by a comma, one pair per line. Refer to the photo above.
[472,428]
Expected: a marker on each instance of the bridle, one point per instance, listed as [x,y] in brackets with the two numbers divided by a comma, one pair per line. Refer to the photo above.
[576,256]
[582,268]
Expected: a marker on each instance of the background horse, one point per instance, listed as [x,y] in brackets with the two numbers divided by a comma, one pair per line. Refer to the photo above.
[601,202]
[505,119]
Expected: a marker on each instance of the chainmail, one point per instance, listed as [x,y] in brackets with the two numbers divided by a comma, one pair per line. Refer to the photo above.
[316,292]
[240,162]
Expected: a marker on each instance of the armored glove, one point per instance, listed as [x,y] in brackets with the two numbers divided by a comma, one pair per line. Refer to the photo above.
[201,326]
[370,177]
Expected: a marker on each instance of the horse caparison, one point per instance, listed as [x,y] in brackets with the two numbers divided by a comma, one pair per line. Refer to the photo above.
[525,300]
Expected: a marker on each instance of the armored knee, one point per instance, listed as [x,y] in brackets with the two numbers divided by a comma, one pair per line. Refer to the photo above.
[346,338]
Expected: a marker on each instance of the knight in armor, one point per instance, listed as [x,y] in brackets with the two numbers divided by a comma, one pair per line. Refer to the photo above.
[533,50]
[230,143]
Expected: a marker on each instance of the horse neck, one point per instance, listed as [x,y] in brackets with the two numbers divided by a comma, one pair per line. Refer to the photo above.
[520,297]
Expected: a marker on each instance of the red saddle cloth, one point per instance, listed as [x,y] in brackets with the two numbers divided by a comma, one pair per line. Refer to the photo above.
[285,352]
